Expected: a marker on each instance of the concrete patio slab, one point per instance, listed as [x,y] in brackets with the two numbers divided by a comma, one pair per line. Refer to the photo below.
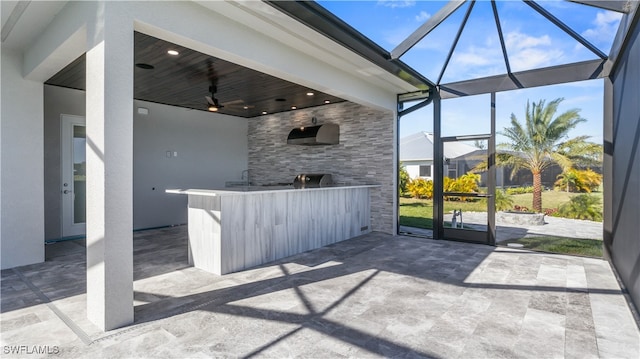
[372,296]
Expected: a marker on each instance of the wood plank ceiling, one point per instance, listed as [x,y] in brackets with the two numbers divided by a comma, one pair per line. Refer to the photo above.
[185,79]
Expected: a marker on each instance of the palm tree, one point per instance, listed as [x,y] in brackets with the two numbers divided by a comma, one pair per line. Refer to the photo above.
[582,153]
[535,145]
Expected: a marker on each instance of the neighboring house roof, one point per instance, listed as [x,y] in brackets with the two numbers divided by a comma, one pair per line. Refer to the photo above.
[476,154]
[419,147]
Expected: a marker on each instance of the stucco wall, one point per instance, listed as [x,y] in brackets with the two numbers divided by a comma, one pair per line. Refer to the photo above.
[21,179]
[212,149]
[57,101]
[624,174]
[365,152]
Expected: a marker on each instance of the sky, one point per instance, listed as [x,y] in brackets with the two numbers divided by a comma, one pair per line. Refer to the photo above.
[531,42]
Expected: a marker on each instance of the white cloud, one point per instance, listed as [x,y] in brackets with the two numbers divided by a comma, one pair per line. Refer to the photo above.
[422,16]
[473,57]
[606,25]
[525,53]
[528,52]
[396,3]
[474,62]
[519,41]
[530,58]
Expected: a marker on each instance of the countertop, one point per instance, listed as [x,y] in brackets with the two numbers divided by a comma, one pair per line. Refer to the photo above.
[244,190]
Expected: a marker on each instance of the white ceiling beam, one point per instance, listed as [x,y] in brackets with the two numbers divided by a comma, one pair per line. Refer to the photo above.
[64,40]
[13,18]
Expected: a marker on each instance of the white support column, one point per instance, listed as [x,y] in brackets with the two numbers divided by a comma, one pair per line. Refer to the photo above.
[21,165]
[109,117]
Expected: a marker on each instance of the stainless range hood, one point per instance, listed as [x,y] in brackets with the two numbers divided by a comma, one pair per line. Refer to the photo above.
[327,134]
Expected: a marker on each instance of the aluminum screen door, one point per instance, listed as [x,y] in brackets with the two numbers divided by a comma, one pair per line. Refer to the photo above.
[443,226]
[459,177]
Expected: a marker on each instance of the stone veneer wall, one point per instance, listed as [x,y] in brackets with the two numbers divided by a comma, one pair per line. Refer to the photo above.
[364,155]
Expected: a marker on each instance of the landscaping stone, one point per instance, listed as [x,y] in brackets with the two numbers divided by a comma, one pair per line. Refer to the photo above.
[523,218]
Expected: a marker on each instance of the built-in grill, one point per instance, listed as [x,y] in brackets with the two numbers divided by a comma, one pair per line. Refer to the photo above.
[314,180]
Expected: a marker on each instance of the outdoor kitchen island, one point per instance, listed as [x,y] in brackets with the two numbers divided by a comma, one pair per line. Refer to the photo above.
[233,229]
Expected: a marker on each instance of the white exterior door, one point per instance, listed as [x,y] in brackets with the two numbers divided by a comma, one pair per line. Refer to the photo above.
[73,190]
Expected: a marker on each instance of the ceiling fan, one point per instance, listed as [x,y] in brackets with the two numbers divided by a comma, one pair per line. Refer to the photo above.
[214,104]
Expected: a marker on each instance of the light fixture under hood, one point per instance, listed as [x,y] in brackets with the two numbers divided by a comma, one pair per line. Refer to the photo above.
[327,134]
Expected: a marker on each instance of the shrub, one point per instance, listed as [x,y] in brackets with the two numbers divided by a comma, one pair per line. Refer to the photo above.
[467,183]
[520,190]
[403,181]
[573,180]
[420,188]
[583,206]
[503,201]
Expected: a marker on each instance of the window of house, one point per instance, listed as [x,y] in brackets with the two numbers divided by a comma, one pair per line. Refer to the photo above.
[452,169]
[425,171]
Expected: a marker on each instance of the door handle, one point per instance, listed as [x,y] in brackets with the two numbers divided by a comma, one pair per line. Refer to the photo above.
[66,191]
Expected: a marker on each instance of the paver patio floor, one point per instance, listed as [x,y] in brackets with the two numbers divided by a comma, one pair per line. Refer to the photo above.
[372,296]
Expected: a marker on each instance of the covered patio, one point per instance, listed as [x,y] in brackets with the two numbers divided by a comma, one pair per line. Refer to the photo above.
[118,294]
[366,297]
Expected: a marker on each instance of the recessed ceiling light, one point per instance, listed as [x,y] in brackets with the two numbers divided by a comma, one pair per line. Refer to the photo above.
[264,112]
[293,107]
[246,107]
[310,93]
[327,101]
[173,52]
[144,66]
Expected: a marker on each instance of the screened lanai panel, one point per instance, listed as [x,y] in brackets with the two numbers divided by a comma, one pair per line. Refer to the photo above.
[535,35]
[388,23]
[478,52]
[437,47]
[533,41]
[596,25]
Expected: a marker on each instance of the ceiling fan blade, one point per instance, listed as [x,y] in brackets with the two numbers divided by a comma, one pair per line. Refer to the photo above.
[210,100]
[238,104]
[240,107]
[234,102]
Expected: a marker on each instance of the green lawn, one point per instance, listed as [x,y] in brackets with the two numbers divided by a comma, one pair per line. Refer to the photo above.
[550,199]
[575,246]
[419,212]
